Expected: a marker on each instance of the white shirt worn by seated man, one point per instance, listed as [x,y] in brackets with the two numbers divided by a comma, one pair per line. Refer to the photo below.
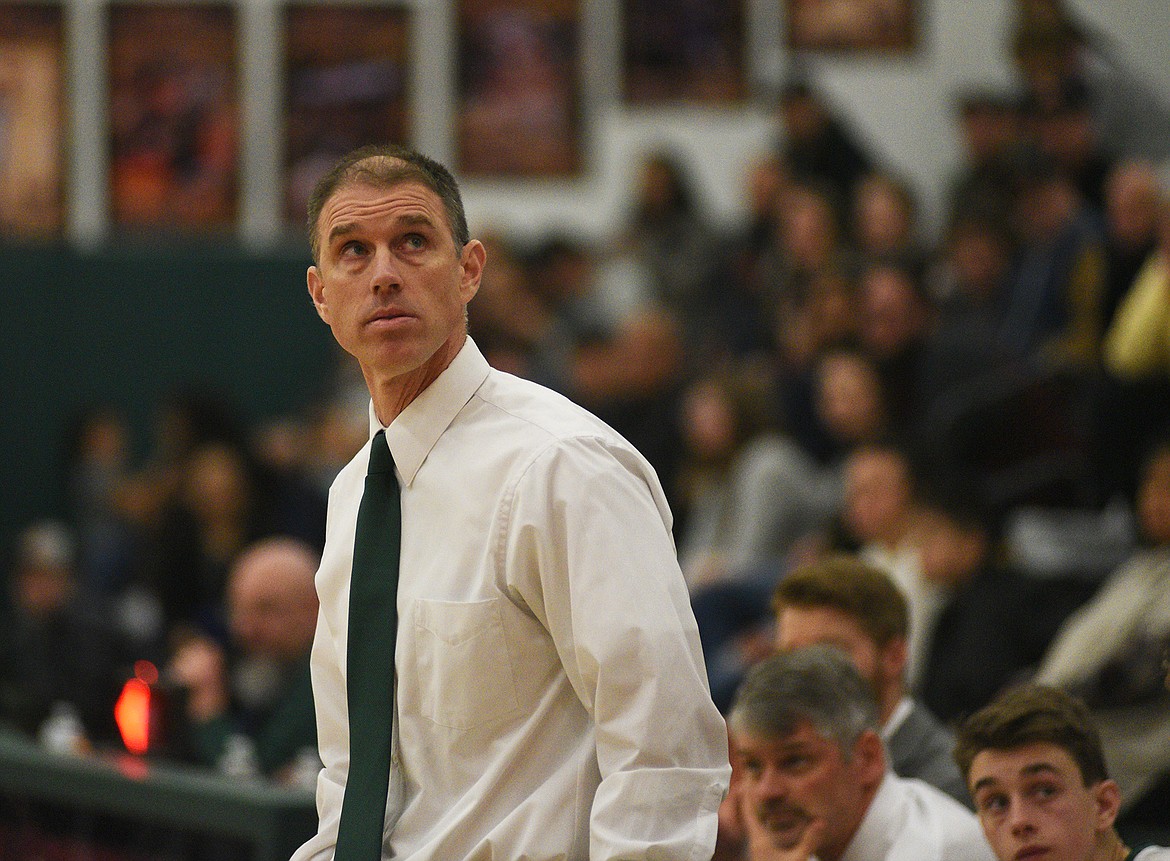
[551,696]
[910,820]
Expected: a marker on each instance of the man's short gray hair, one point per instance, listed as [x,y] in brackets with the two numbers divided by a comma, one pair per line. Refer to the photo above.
[818,684]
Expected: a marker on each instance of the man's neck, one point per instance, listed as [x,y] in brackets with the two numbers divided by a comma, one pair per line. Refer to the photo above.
[1110,847]
[392,395]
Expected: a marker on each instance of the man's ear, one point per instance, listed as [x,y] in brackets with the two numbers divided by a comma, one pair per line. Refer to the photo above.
[317,292]
[893,657]
[870,755]
[471,262]
[1107,795]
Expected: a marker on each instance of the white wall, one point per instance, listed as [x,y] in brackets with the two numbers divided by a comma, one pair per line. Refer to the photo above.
[1140,30]
[900,105]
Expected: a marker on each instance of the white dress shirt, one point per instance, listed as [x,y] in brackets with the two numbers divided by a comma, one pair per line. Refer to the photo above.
[551,697]
[910,820]
[1153,853]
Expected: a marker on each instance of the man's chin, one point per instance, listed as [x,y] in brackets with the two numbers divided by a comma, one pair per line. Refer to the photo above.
[785,831]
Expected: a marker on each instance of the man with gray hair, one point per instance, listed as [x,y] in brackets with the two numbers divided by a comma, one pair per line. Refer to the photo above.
[813,777]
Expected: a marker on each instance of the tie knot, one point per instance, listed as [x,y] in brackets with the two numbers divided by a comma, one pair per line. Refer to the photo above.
[381,460]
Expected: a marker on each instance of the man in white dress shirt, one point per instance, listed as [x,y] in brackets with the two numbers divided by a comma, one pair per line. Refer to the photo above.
[551,699]
[815,781]
[843,601]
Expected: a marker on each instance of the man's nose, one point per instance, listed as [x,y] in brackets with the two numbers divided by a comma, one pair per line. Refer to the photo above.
[772,785]
[1019,817]
[385,272]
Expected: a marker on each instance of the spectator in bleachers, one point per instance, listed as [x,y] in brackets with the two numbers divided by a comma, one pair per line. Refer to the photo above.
[817,147]
[60,654]
[335,430]
[829,317]
[224,501]
[808,242]
[96,465]
[1132,194]
[510,321]
[1134,405]
[1054,303]
[742,288]
[969,298]
[878,521]
[994,623]
[813,337]
[884,219]
[251,698]
[813,776]
[672,241]
[611,350]
[990,127]
[183,419]
[730,616]
[210,520]
[589,305]
[842,601]
[749,491]
[1110,653]
[1050,49]
[846,403]
[894,320]
[1064,131]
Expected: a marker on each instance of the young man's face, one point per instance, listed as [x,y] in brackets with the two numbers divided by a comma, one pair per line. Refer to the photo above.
[796,781]
[797,627]
[1034,806]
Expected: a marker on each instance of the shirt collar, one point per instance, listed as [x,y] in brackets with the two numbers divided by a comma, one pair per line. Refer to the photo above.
[897,717]
[873,837]
[413,434]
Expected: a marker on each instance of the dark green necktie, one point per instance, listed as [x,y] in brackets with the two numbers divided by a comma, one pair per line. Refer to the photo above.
[373,626]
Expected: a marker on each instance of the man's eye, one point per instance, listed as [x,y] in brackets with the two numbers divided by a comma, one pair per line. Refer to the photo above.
[991,803]
[415,241]
[1044,790]
[352,248]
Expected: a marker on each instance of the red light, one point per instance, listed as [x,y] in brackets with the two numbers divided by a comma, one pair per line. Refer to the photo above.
[132,714]
[146,671]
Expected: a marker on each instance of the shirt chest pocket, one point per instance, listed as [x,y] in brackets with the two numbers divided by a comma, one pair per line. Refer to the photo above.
[465,673]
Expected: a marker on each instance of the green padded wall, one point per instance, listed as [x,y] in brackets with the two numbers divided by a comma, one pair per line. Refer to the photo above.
[129,325]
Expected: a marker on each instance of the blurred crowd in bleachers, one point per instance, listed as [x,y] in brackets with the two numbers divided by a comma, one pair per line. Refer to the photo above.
[973,408]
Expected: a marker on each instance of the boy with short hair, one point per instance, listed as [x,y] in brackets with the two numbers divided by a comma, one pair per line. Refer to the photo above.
[1033,762]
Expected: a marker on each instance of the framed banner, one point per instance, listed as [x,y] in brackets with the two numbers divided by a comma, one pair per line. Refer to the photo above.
[852,26]
[174,117]
[683,51]
[519,100]
[31,121]
[345,82]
